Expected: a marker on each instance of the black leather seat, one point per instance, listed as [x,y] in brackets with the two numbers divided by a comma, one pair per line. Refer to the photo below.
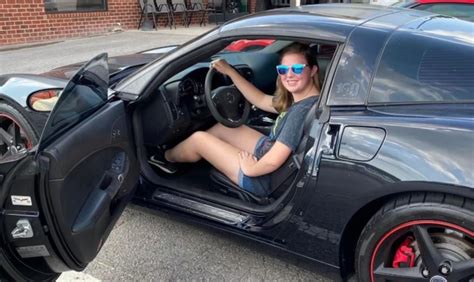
[224,185]
[280,180]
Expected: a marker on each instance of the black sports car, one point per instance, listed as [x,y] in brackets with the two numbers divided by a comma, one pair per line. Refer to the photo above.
[381,185]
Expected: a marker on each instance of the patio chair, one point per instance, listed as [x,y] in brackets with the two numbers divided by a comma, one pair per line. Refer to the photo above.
[210,7]
[180,6]
[147,10]
[164,7]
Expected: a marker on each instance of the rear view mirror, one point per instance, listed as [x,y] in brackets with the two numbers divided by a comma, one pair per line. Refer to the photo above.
[44,101]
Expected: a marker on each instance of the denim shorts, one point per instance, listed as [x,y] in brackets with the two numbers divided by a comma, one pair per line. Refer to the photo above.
[260,185]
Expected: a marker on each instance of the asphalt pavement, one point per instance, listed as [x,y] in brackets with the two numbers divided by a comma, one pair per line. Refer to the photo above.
[150,245]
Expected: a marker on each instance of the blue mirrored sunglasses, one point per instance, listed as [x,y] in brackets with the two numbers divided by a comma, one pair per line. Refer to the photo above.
[296,69]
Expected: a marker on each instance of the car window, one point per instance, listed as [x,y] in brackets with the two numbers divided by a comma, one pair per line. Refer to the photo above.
[461,11]
[416,69]
[85,92]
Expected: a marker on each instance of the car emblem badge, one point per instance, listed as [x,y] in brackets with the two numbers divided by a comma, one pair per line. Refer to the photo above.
[438,278]
[230,98]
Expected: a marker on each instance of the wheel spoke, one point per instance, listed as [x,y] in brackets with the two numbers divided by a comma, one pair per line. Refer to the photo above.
[431,257]
[407,274]
[5,136]
[14,131]
[462,270]
[16,135]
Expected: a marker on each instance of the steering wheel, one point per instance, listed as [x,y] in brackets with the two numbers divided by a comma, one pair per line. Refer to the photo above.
[227,105]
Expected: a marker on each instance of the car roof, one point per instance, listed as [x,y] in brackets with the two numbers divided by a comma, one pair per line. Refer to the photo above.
[334,20]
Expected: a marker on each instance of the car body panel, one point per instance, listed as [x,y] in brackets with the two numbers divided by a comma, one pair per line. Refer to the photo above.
[348,190]
[18,87]
[411,159]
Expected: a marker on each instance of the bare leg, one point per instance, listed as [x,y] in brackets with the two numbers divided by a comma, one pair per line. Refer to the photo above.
[242,137]
[217,152]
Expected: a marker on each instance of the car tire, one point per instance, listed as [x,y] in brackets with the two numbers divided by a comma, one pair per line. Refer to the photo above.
[12,119]
[393,244]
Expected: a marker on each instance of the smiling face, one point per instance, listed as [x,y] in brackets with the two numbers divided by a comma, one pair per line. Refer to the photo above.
[298,84]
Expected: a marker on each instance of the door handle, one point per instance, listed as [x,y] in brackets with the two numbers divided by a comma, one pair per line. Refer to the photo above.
[110,182]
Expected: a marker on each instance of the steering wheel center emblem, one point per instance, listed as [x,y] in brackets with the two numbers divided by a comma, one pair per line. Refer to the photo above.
[230,98]
[438,278]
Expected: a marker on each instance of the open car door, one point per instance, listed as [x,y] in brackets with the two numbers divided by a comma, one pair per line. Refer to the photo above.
[59,203]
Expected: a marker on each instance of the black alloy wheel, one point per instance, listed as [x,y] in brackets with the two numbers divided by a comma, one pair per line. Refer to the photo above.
[16,134]
[420,237]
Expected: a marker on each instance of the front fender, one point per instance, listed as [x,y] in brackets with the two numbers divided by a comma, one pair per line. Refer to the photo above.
[17,87]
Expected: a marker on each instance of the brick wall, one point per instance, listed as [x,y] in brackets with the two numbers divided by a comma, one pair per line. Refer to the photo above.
[25,21]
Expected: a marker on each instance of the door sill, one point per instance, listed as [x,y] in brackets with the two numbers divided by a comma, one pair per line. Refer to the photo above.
[198,208]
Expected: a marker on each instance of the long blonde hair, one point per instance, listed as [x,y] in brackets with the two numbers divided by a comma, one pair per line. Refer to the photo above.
[283,98]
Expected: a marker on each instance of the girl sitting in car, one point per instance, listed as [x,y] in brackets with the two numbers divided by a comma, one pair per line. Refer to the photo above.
[243,154]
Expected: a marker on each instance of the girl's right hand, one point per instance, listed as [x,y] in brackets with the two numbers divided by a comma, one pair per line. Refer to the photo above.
[222,66]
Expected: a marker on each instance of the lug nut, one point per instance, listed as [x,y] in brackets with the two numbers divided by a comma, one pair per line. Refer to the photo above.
[425,272]
[445,268]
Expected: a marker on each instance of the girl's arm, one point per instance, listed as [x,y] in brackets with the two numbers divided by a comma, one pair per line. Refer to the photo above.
[270,162]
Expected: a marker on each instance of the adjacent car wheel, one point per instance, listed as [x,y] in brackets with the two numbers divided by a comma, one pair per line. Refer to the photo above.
[16,133]
[422,237]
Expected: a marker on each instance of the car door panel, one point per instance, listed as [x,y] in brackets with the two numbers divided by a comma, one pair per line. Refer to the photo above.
[19,249]
[59,202]
[88,176]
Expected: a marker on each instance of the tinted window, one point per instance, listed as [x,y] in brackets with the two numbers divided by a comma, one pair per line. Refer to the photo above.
[356,67]
[74,5]
[86,91]
[461,11]
[417,68]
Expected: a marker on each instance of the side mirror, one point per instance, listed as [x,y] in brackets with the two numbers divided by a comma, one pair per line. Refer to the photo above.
[44,100]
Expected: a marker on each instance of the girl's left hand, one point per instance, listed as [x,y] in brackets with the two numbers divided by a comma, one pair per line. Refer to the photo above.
[247,161]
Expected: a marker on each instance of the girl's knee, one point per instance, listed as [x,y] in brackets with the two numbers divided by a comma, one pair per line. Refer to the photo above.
[199,136]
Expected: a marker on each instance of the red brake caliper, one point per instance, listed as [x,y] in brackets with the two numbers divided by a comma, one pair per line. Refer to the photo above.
[404,256]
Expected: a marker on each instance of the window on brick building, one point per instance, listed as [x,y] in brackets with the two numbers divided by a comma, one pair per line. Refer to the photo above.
[75,5]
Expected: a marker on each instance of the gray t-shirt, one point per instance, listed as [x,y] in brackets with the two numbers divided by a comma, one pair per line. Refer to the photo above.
[288,128]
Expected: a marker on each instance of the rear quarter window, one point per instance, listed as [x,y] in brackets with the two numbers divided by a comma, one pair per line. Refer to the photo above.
[416,68]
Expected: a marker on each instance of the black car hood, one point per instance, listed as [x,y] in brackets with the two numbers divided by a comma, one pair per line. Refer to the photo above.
[116,65]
